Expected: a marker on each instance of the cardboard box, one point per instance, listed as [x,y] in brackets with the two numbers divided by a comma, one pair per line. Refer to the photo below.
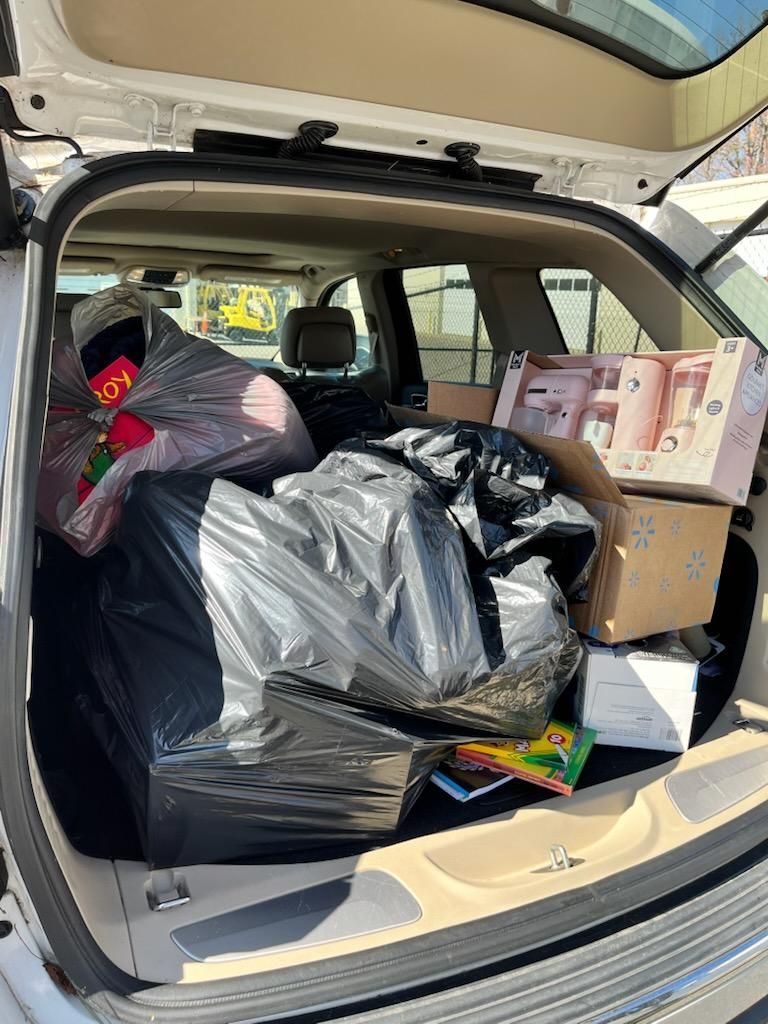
[659,563]
[638,695]
[462,401]
[717,465]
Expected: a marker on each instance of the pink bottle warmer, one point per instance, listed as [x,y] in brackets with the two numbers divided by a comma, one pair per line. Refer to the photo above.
[599,417]
[686,397]
[553,403]
[640,387]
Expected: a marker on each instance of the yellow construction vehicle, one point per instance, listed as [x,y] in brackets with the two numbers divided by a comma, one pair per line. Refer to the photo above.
[252,315]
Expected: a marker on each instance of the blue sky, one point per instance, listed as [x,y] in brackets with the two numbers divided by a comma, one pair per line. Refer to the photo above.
[723,19]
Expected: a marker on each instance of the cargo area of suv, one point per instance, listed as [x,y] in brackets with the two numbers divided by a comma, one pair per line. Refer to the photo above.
[348,234]
[449,863]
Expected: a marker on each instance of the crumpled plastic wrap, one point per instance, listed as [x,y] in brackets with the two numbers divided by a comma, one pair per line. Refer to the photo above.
[494,487]
[209,410]
[284,672]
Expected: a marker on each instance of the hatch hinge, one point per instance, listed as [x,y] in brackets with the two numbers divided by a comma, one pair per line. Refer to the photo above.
[162,125]
[566,183]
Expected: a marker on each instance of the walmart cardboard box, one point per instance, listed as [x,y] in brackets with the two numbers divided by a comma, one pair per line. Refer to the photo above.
[718,464]
[659,563]
[462,401]
[638,695]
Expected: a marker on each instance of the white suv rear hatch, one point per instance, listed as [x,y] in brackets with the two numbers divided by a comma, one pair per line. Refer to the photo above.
[605,105]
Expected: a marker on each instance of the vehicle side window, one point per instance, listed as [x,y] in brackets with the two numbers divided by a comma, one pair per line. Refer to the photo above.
[590,317]
[449,327]
[347,295]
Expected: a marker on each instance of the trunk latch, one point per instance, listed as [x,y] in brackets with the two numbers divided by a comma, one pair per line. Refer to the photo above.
[559,860]
[166,889]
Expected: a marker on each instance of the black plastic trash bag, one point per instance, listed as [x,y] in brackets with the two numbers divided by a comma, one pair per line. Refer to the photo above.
[237,640]
[494,486]
[334,411]
[224,634]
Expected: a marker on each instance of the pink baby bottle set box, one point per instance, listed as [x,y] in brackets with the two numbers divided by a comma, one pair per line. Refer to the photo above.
[678,424]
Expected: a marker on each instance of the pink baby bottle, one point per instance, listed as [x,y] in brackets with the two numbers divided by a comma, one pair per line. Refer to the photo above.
[599,417]
[686,397]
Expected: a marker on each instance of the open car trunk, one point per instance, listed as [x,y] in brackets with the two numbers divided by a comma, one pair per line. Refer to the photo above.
[304,905]
[448,866]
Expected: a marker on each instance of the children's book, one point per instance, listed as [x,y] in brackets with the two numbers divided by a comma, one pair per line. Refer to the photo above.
[464,780]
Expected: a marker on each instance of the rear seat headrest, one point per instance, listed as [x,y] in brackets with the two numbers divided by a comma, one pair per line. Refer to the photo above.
[318,337]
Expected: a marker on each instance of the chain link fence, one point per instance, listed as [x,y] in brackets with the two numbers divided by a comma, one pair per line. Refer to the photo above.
[590,317]
[453,339]
[451,333]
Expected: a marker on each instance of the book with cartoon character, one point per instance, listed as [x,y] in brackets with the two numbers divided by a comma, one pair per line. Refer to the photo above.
[554,761]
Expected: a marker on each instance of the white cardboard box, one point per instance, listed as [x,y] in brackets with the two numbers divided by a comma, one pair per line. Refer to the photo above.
[638,695]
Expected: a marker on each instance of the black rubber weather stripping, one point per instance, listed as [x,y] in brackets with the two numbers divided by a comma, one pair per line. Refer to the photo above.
[346,160]
[435,959]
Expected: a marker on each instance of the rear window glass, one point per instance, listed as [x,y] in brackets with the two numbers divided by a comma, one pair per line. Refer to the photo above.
[590,317]
[85,284]
[244,318]
[449,326]
[680,35]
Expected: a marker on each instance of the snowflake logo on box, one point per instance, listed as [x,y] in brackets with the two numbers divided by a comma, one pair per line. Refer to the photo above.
[696,565]
[664,584]
[644,532]
[634,578]
[676,527]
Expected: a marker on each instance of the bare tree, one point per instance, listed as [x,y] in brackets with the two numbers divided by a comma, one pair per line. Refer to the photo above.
[744,154]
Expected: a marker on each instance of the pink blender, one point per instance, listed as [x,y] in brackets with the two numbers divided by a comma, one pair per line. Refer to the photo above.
[640,387]
[552,404]
[686,397]
[598,419]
